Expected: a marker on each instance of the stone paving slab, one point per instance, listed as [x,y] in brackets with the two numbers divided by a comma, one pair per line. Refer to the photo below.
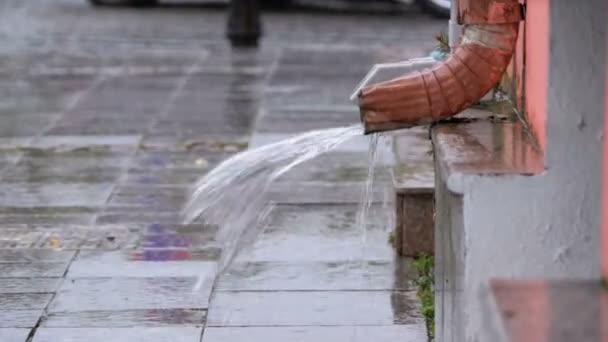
[24,173]
[351,167]
[69,167]
[13,144]
[316,276]
[330,193]
[282,95]
[9,158]
[14,335]
[153,229]
[390,333]
[29,285]
[54,195]
[148,198]
[49,269]
[153,107]
[328,308]
[105,294]
[164,334]
[26,125]
[24,301]
[199,143]
[35,220]
[79,125]
[118,264]
[70,237]
[320,233]
[146,161]
[195,127]
[126,318]
[122,217]
[35,255]
[358,144]
[109,142]
[167,177]
[282,120]
[19,318]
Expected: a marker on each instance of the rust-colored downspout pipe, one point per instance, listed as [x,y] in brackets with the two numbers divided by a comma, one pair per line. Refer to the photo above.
[471,71]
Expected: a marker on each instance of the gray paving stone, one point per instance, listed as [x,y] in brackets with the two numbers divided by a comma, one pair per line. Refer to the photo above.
[26,124]
[311,308]
[70,237]
[280,120]
[35,255]
[29,285]
[35,220]
[67,168]
[117,264]
[100,125]
[19,318]
[8,158]
[164,334]
[163,229]
[319,276]
[338,167]
[49,269]
[111,142]
[306,192]
[49,210]
[163,177]
[24,301]
[176,160]
[320,233]
[147,198]
[198,143]
[138,217]
[54,195]
[304,94]
[103,294]
[14,335]
[389,333]
[356,144]
[15,143]
[126,318]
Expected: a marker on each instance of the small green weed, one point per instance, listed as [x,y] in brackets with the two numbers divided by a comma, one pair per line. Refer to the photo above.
[391,239]
[424,266]
[443,42]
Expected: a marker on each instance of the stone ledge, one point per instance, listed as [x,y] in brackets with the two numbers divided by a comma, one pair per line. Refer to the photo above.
[480,157]
[414,182]
[482,143]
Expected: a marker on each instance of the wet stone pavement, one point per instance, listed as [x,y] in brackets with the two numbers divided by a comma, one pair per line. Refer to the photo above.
[108,116]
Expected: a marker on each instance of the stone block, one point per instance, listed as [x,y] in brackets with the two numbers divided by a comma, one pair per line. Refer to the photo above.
[414,229]
[414,181]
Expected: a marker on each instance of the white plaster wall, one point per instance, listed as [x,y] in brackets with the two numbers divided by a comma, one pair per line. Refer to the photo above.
[547,225]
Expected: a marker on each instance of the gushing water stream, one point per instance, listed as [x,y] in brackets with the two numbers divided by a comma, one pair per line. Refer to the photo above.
[234,195]
[368,191]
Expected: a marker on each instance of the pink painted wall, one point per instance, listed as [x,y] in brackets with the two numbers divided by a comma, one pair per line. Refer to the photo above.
[536,55]
[604,232]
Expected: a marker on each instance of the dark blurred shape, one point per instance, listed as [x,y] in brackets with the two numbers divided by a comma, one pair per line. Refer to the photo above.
[134,3]
[438,8]
[244,24]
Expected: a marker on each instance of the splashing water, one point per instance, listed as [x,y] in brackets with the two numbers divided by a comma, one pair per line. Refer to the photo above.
[368,190]
[233,195]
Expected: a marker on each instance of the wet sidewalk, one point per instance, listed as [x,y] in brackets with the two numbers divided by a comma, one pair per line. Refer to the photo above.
[96,159]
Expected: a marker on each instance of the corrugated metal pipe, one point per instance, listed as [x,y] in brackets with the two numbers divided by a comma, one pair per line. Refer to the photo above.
[471,71]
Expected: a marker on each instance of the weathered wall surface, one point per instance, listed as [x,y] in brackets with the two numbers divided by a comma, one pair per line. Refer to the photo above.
[545,225]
